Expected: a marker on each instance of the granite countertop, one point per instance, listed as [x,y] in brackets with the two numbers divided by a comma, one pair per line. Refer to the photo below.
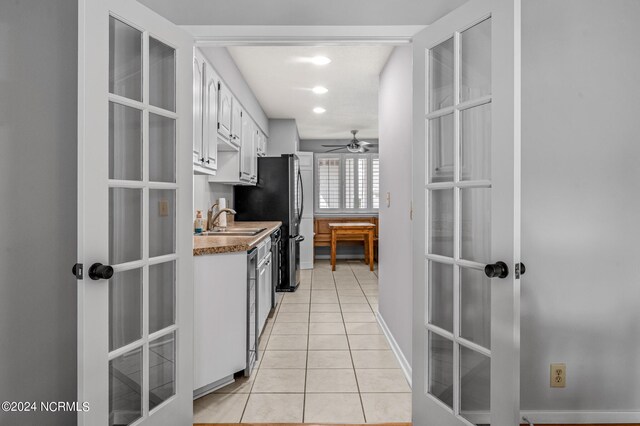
[216,244]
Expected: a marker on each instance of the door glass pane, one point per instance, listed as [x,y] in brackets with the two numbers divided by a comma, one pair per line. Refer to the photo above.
[125,60]
[441,295]
[475,227]
[162,293]
[441,368]
[475,136]
[475,306]
[475,66]
[162,222]
[125,225]
[162,148]
[475,379]
[441,75]
[125,383]
[441,222]
[125,142]
[441,149]
[162,75]
[162,369]
[125,308]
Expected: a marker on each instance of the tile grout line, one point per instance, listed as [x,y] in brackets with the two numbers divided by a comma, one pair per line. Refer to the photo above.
[275,317]
[355,375]
[306,365]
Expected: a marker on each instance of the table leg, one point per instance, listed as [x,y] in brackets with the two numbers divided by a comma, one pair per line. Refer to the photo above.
[370,250]
[366,249]
[333,249]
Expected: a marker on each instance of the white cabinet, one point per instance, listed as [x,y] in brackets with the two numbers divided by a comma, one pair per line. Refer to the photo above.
[236,121]
[264,291]
[262,144]
[265,275]
[205,102]
[198,83]
[210,119]
[220,318]
[247,150]
[225,104]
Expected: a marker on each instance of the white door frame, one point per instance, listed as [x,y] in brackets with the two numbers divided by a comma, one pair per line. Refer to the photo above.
[93,213]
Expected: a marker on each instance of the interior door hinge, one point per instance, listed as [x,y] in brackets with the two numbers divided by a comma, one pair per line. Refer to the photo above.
[411,211]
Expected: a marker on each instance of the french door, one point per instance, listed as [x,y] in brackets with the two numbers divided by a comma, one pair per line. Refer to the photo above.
[467,224]
[134,201]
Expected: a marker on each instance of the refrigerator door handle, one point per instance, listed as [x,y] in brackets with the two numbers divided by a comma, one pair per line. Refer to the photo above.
[301,207]
[299,238]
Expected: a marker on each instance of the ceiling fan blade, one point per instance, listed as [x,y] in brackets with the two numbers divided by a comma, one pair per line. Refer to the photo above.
[333,146]
[336,149]
[364,143]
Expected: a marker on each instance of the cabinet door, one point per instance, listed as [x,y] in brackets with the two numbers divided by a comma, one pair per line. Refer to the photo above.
[236,120]
[210,120]
[198,82]
[246,148]
[224,111]
[254,152]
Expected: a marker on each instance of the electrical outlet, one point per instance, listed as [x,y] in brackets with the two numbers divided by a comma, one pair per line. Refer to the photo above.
[163,207]
[558,375]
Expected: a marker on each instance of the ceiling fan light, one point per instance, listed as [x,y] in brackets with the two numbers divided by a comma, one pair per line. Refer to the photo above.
[319,90]
[319,110]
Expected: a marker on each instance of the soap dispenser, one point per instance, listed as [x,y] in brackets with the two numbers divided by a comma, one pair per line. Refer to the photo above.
[198,224]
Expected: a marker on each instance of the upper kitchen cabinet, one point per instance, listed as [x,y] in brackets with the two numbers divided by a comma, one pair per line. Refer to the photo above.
[198,83]
[205,101]
[236,122]
[247,150]
[225,105]
[262,144]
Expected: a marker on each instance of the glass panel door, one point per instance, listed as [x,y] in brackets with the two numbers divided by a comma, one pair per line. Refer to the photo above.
[458,231]
[142,223]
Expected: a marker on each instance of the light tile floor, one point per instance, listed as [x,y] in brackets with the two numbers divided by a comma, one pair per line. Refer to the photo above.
[324,359]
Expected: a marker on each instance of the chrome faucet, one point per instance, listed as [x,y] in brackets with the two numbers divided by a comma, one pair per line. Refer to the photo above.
[212,223]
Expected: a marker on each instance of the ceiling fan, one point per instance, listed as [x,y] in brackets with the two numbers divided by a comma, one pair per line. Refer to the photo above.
[354,145]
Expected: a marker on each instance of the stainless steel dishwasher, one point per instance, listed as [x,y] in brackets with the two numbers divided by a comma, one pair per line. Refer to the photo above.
[252,311]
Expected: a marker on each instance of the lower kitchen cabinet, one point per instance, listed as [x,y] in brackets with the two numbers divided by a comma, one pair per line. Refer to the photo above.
[220,318]
[264,283]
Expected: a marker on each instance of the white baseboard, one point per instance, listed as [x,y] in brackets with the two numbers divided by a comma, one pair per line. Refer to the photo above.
[404,364]
[340,256]
[306,265]
[578,417]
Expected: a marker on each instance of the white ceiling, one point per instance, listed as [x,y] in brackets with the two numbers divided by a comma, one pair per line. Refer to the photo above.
[302,12]
[282,82]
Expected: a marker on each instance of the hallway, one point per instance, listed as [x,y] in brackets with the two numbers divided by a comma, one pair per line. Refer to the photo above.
[324,359]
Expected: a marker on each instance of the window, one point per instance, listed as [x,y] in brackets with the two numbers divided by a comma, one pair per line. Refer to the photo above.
[347,183]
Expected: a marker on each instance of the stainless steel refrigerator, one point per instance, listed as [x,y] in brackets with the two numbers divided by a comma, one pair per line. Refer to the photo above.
[278,195]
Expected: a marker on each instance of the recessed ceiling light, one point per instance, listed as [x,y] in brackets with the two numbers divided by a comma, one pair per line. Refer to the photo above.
[320,60]
[319,90]
[319,110]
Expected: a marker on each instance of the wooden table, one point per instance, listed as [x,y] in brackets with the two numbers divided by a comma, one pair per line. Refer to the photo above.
[364,229]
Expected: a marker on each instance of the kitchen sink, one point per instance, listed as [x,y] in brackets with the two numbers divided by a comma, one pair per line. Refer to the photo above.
[235,232]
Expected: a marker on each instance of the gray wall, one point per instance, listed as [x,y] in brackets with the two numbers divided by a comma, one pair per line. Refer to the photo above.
[581,205]
[395,273]
[229,72]
[315,145]
[38,47]
[283,136]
